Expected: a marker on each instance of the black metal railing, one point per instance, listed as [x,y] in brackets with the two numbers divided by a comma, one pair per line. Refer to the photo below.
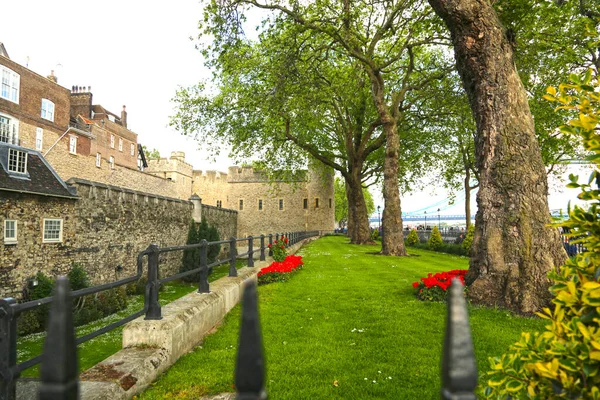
[10,310]
[59,376]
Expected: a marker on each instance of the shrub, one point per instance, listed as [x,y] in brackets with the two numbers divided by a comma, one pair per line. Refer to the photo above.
[78,277]
[413,238]
[468,242]
[214,250]
[564,360]
[35,320]
[375,234]
[191,257]
[138,287]
[278,247]
[435,239]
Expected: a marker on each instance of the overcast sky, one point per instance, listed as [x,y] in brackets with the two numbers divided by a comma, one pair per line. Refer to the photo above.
[136,54]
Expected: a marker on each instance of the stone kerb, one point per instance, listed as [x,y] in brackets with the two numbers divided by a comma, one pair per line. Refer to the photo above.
[151,347]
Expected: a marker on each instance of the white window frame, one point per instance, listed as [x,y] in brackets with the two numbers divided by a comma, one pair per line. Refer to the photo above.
[17,152]
[39,139]
[73,144]
[98,160]
[60,231]
[11,130]
[47,110]
[10,239]
[132,149]
[9,84]
[111,161]
[112,141]
[120,144]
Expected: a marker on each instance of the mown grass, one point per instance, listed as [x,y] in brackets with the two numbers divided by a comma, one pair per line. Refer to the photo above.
[346,326]
[94,351]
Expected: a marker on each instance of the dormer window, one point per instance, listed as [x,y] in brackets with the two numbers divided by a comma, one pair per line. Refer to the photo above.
[17,161]
[48,110]
[10,84]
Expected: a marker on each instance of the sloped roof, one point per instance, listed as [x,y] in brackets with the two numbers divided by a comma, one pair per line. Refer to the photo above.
[41,178]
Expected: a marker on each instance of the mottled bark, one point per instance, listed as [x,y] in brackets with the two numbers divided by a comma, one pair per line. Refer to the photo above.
[513,248]
[357,212]
[393,239]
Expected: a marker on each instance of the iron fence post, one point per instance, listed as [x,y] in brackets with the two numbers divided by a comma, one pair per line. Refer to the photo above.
[250,252]
[250,363]
[459,369]
[8,349]
[153,311]
[203,286]
[232,257]
[270,245]
[262,248]
[59,370]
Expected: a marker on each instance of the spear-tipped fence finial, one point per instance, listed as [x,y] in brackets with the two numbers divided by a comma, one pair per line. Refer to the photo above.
[459,369]
[59,370]
[250,365]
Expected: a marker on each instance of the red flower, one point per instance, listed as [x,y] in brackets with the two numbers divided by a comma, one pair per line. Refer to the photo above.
[415,284]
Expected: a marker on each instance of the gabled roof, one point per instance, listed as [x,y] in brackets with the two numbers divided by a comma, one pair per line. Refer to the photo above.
[40,179]
[3,51]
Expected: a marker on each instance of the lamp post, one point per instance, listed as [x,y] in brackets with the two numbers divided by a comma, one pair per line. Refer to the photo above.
[425,219]
[439,226]
[379,218]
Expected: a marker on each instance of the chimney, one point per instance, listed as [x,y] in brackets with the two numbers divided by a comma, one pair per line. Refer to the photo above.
[124,117]
[52,77]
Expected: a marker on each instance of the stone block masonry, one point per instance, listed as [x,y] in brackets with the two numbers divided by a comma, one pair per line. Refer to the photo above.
[106,227]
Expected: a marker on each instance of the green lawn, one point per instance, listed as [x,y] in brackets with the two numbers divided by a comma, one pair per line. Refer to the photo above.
[96,350]
[349,316]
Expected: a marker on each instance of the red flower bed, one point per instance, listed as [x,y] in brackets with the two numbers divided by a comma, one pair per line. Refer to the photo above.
[434,286]
[280,271]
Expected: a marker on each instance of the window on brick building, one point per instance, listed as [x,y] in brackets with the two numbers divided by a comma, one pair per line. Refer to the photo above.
[281,204]
[111,161]
[17,161]
[112,141]
[9,129]
[10,231]
[316,202]
[120,144]
[98,160]
[73,144]
[39,138]
[10,84]
[53,231]
[241,204]
[48,110]
[132,149]
[305,204]
[260,204]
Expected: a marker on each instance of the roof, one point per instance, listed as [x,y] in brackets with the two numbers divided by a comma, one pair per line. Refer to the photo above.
[40,179]
[3,51]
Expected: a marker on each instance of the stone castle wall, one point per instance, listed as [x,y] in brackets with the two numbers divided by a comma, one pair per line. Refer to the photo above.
[223,219]
[211,186]
[105,228]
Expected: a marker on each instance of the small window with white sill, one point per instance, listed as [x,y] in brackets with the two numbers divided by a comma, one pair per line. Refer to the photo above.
[98,160]
[10,84]
[112,141]
[48,110]
[111,161]
[10,231]
[17,161]
[39,138]
[73,144]
[120,144]
[53,230]
[132,149]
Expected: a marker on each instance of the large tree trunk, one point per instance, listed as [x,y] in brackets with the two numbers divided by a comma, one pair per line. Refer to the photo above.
[393,239]
[357,212]
[468,197]
[513,248]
